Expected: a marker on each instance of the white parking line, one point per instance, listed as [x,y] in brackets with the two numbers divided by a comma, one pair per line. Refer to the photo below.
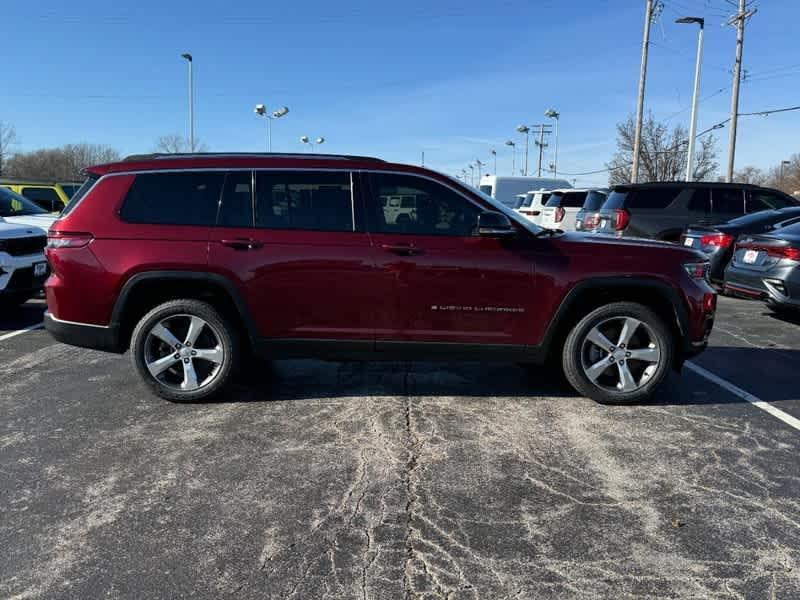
[21,331]
[737,391]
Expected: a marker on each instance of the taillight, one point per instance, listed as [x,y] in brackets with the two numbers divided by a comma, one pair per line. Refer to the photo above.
[68,239]
[591,221]
[697,270]
[716,240]
[784,252]
[560,214]
[621,219]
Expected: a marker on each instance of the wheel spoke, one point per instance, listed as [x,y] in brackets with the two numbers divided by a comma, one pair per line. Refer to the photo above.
[597,369]
[213,355]
[626,380]
[650,355]
[189,376]
[628,328]
[160,365]
[165,335]
[196,325]
[599,340]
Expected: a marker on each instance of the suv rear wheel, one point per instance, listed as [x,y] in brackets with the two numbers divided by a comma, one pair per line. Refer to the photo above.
[184,350]
[618,353]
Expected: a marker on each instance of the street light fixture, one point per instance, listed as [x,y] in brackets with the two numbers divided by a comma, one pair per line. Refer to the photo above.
[471,174]
[261,111]
[695,95]
[524,129]
[494,156]
[306,140]
[513,155]
[189,59]
[553,114]
[479,164]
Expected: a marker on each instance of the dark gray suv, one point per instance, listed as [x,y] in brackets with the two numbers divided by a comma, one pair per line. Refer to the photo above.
[663,210]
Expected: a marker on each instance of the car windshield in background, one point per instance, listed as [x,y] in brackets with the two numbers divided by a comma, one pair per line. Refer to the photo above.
[70,188]
[554,200]
[594,200]
[14,205]
[615,200]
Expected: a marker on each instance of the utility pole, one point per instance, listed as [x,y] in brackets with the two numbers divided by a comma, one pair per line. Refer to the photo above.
[652,10]
[741,16]
[423,158]
[543,129]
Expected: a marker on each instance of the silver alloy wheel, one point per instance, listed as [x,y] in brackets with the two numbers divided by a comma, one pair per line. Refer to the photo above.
[183,352]
[625,364]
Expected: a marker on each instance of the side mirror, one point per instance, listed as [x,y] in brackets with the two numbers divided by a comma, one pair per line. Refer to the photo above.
[495,224]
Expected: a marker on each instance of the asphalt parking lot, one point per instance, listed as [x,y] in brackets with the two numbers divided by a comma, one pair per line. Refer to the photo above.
[350,480]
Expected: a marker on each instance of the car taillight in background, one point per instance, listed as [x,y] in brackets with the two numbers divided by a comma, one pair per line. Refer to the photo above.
[591,221]
[713,241]
[621,219]
[560,214]
[789,252]
[68,239]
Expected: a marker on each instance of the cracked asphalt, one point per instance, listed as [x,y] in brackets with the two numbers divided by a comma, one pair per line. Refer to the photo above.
[399,480]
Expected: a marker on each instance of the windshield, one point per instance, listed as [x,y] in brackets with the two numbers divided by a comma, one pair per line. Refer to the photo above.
[486,189]
[499,207]
[14,205]
[594,200]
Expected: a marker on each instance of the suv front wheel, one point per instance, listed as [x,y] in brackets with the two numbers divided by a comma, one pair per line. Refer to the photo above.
[619,353]
[184,350]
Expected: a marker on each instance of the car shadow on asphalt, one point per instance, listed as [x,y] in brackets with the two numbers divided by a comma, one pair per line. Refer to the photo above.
[19,317]
[791,317]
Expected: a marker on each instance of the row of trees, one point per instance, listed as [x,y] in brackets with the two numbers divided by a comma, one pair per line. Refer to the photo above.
[664,152]
[67,162]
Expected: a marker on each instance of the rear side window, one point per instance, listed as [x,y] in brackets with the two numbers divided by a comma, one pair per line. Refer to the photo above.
[189,198]
[554,200]
[756,200]
[79,194]
[47,198]
[311,201]
[573,199]
[652,198]
[700,201]
[236,206]
[727,201]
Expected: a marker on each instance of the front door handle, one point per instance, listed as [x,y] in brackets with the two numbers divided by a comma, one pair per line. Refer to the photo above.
[243,244]
[402,249]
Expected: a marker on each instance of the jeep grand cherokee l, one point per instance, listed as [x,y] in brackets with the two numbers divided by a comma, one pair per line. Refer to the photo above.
[191,261]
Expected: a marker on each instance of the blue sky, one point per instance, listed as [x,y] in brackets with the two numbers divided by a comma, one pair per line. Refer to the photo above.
[452,78]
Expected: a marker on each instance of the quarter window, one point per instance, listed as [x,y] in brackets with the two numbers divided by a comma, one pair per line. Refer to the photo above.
[756,201]
[236,206]
[190,198]
[727,202]
[700,201]
[315,201]
[411,205]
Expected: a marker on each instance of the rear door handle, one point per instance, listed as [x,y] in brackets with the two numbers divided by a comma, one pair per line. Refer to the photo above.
[243,244]
[402,249]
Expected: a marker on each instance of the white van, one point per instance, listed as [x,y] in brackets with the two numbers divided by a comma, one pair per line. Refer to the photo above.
[505,189]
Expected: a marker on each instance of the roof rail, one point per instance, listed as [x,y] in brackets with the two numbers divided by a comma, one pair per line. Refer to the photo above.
[183,155]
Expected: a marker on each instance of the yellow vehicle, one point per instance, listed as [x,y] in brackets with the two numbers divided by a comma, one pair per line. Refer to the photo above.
[52,196]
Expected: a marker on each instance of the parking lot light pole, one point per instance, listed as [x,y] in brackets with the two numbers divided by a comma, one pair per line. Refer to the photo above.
[494,156]
[479,164]
[524,129]
[471,168]
[784,163]
[306,140]
[189,59]
[695,95]
[261,111]
[553,114]
[513,155]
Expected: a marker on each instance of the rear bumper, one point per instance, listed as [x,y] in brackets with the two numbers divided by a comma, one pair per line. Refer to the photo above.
[96,337]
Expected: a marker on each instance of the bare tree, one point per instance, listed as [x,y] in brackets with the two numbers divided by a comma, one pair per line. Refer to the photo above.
[663,153]
[175,143]
[8,136]
[752,175]
[65,163]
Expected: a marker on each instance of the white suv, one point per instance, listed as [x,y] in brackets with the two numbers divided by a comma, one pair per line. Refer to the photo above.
[23,267]
[21,211]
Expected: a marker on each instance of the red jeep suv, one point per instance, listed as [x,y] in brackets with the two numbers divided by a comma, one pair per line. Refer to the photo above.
[192,261]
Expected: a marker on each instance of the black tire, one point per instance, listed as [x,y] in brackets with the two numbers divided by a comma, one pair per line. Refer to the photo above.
[649,380]
[220,330]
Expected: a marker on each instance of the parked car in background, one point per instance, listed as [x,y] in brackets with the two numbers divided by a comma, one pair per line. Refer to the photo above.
[195,260]
[52,196]
[18,209]
[663,210]
[23,266]
[718,241]
[533,204]
[767,266]
[588,217]
[561,209]
[505,189]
